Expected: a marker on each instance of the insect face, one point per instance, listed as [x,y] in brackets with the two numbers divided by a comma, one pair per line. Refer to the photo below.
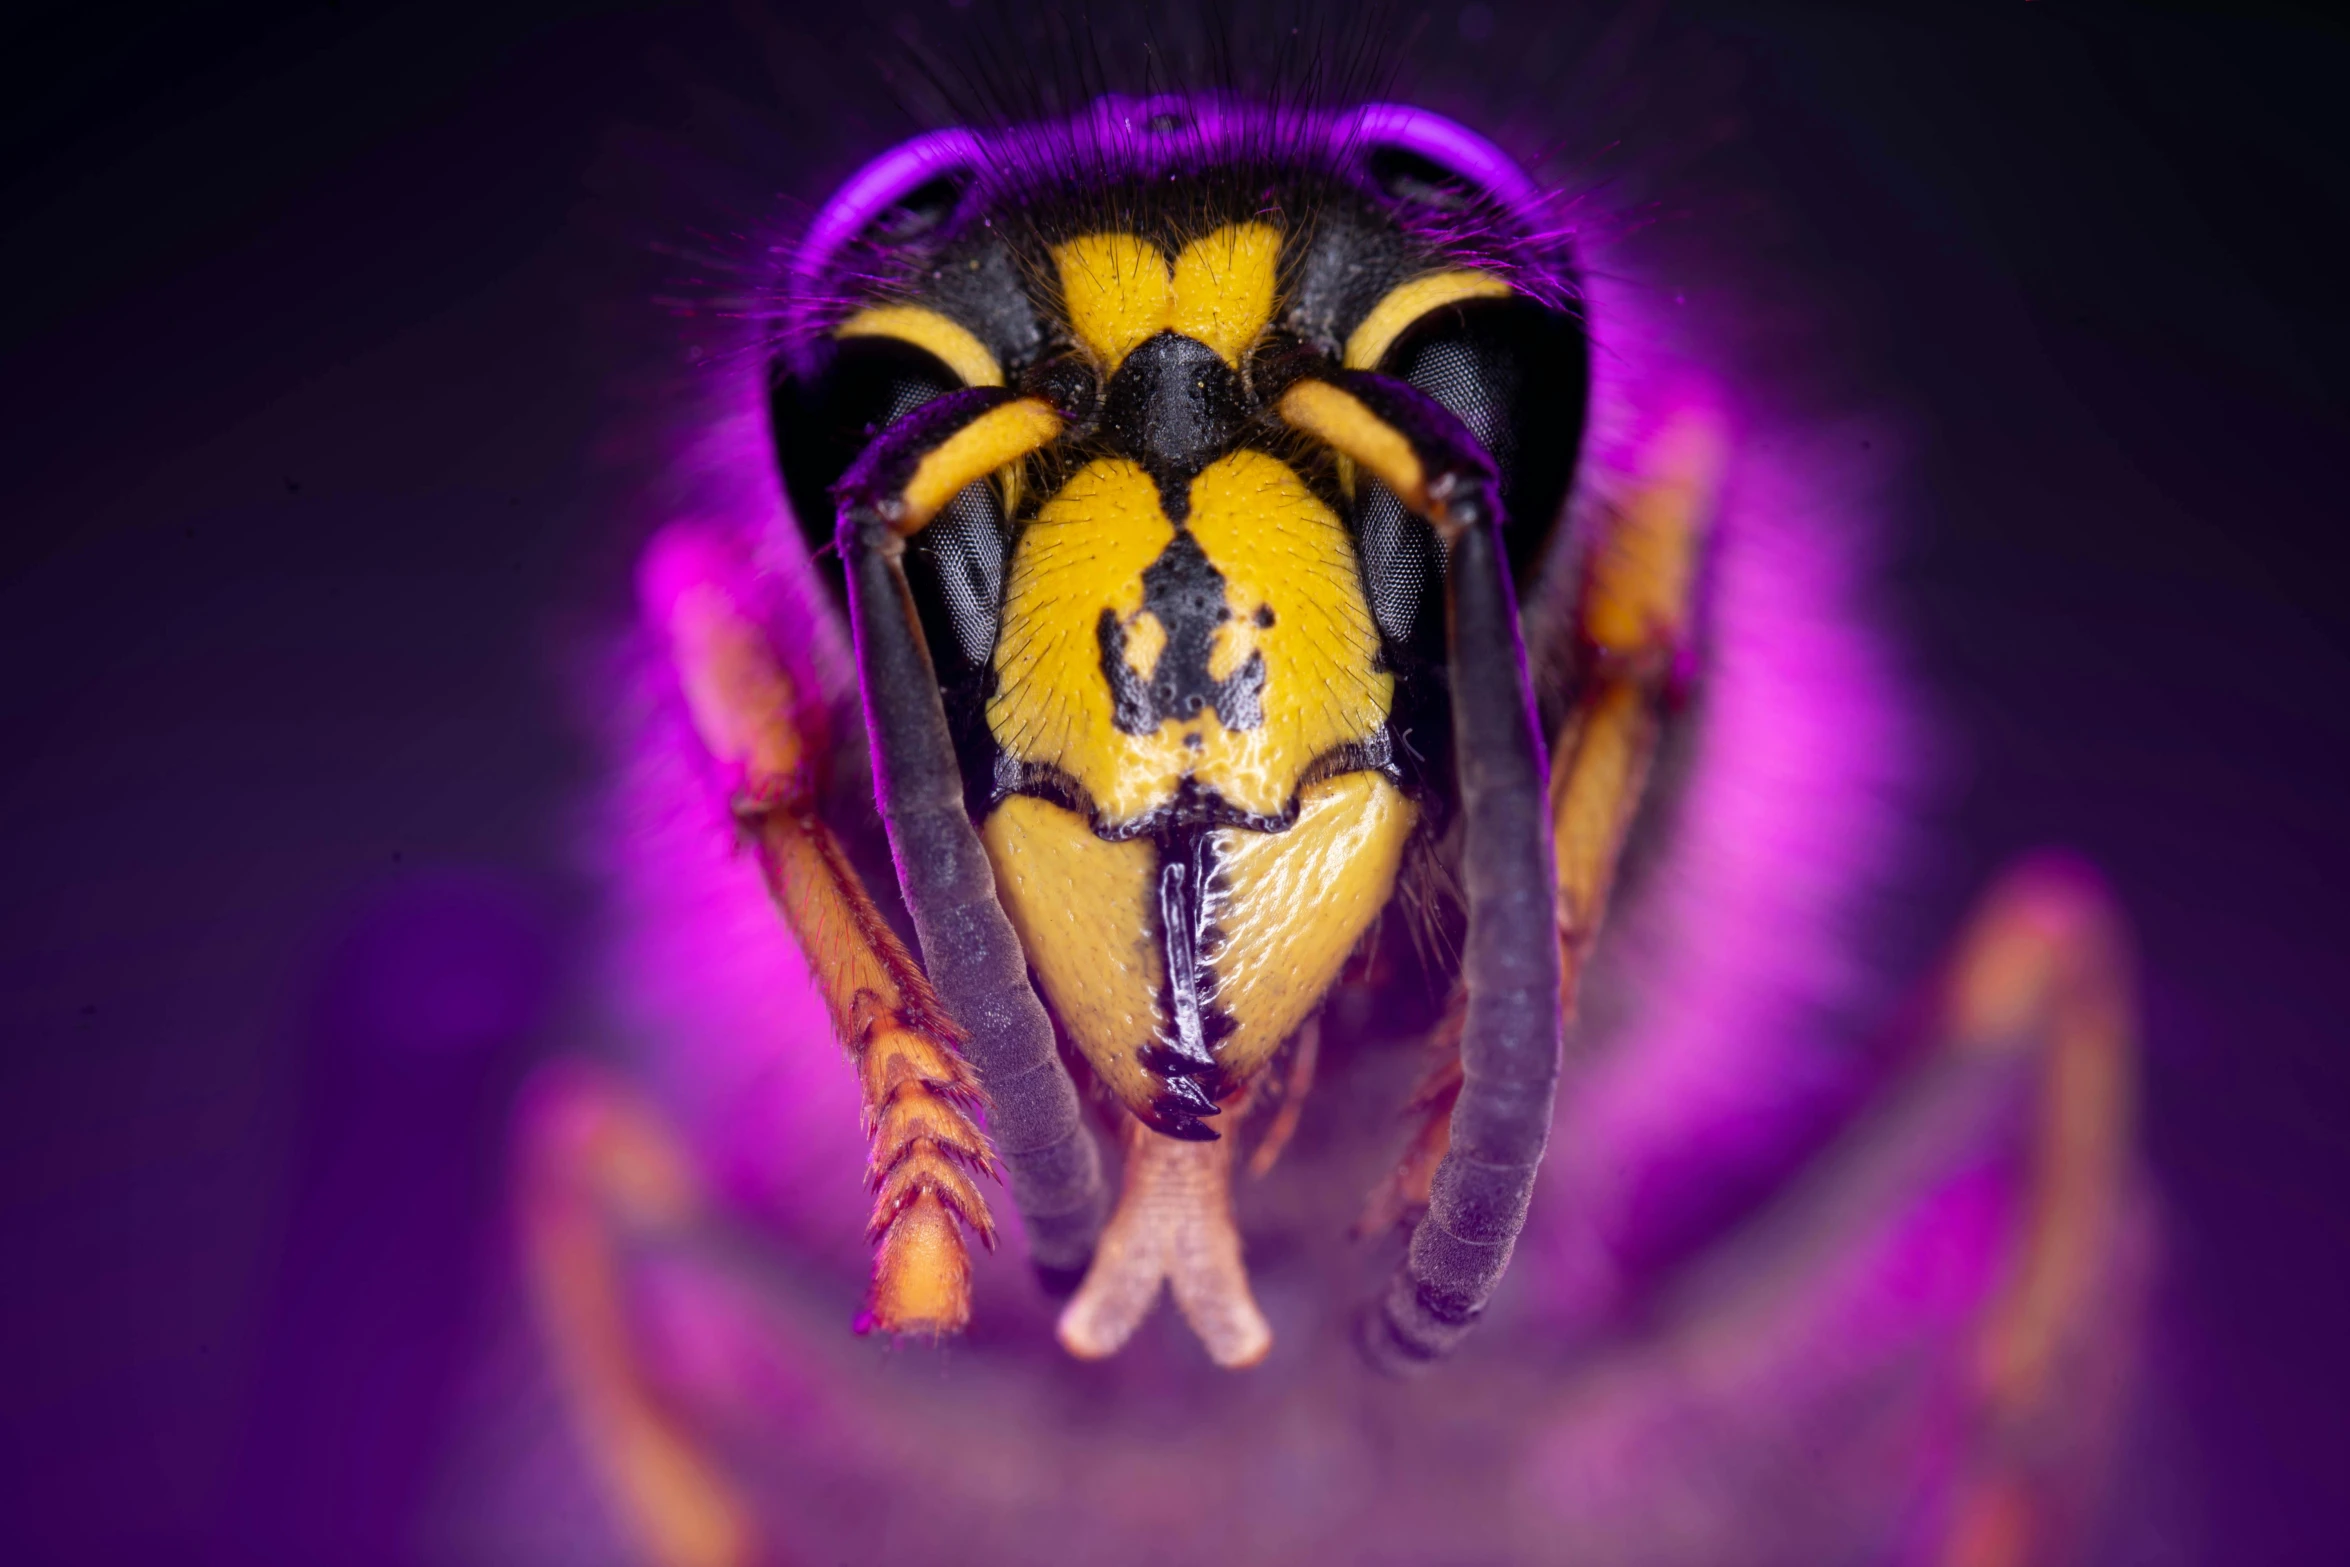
[1193,661]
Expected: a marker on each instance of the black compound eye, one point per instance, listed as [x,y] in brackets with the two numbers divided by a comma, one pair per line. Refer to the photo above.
[822,423]
[1517,373]
[955,569]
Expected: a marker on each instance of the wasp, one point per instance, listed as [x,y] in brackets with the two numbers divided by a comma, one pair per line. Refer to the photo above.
[1246,655]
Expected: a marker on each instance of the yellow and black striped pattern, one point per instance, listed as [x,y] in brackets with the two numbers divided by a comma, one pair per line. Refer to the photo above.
[1309,840]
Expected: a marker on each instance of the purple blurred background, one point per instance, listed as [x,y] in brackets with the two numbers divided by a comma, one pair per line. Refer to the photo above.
[301,529]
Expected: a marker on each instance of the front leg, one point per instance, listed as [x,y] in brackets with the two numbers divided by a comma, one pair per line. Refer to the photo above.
[921,1099]
[600,1173]
[972,953]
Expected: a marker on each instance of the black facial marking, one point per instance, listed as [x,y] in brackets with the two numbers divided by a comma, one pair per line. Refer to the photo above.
[1184,592]
[1130,697]
[1173,407]
[1194,805]
[977,282]
[1340,266]
[1183,1056]
[1069,384]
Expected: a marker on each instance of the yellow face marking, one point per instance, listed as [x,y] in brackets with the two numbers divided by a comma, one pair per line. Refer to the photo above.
[1116,291]
[950,341]
[1338,419]
[1286,559]
[1146,643]
[1290,906]
[1085,912]
[1292,596]
[1224,287]
[1293,904]
[1085,551]
[1119,290]
[1406,303]
[995,439]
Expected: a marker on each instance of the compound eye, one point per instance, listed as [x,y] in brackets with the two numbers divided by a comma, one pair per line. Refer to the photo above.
[955,566]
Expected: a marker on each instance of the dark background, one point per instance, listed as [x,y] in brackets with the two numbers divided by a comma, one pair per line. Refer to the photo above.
[293,420]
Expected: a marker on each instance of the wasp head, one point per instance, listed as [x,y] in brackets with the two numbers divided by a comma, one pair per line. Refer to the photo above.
[1193,662]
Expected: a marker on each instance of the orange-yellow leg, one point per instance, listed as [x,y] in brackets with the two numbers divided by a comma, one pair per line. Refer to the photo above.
[921,1100]
[1304,1052]
[600,1169]
[1172,1227]
[1632,630]
[2045,971]
[1403,1196]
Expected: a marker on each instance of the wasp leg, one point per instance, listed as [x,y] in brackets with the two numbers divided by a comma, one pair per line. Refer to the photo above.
[1403,1196]
[921,1100]
[1634,630]
[1957,1279]
[1305,1052]
[968,945]
[2044,976]
[1173,1227]
[599,1169]
[1511,1026]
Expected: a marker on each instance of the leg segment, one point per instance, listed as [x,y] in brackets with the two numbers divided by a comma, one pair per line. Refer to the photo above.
[598,1168]
[1511,1028]
[1403,1196]
[2044,974]
[968,945]
[921,1100]
[1934,1320]
[1305,1051]
[1635,634]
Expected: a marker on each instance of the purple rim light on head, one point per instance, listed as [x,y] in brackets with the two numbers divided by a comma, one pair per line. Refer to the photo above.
[1450,143]
[866,194]
[1120,127]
